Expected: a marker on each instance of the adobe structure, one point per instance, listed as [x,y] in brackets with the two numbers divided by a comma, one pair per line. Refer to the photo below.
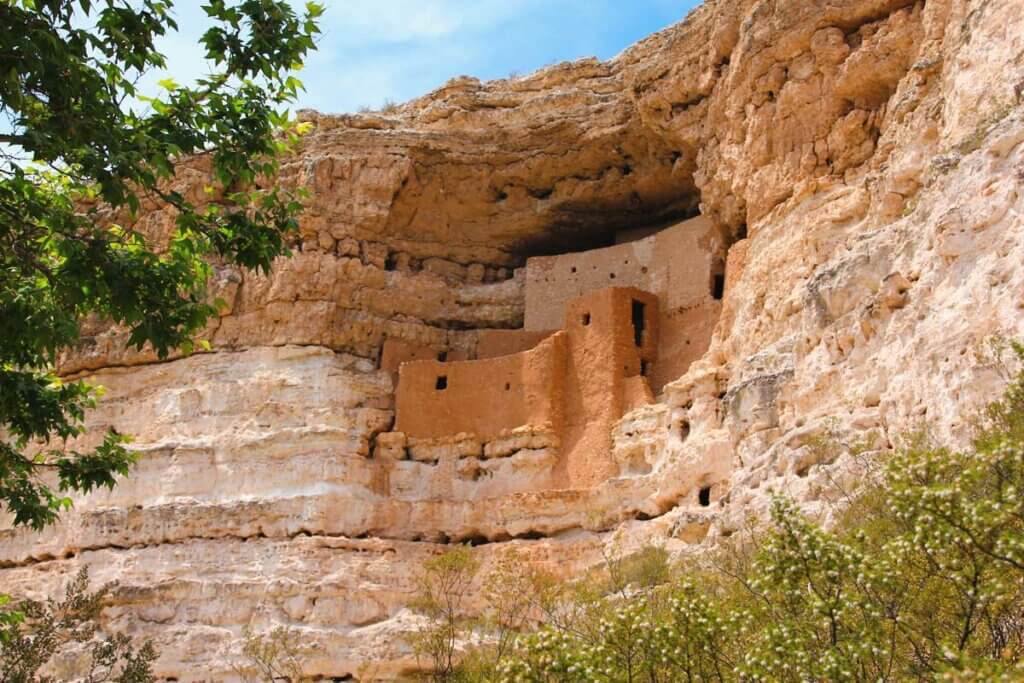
[604,331]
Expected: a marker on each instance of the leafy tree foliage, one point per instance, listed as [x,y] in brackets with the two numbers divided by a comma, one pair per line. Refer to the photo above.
[34,633]
[83,153]
[922,580]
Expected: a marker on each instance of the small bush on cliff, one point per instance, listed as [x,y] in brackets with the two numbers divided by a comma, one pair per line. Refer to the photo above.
[923,579]
[646,568]
[270,657]
[444,598]
[36,633]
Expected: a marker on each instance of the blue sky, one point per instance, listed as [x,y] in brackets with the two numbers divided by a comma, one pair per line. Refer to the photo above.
[377,50]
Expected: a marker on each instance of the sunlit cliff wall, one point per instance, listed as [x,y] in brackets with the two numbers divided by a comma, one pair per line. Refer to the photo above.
[860,161]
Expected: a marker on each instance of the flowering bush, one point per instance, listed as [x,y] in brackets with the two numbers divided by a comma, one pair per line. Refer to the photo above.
[923,579]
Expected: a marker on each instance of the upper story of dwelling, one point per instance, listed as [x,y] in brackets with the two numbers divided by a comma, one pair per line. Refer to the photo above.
[683,265]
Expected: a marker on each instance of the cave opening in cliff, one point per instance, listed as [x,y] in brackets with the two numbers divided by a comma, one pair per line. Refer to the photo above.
[704,496]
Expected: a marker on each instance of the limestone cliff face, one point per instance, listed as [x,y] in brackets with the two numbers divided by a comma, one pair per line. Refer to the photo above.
[862,162]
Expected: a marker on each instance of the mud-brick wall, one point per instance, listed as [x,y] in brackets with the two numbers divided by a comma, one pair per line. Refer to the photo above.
[603,354]
[483,397]
[677,264]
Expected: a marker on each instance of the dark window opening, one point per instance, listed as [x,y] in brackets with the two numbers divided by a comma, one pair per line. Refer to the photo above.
[612,276]
[442,356]
[574,269]
[718,287]
[684,430]
[442,383]
[508,386]
[645,367]
[585,319]
[391,263]
[639,322]
[704,497]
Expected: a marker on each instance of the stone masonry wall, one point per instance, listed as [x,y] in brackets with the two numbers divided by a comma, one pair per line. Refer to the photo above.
[483,397]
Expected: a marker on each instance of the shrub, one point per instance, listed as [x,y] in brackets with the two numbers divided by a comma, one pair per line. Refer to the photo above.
[646,568]
[33,633]
[443,597]
[270,657]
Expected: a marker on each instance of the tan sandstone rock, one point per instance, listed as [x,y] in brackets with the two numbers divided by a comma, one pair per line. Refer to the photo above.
[862,160]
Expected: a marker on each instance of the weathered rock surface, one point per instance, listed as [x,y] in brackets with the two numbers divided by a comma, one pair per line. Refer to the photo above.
[865,158]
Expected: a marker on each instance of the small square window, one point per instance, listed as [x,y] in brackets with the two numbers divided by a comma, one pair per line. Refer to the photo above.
[442,356]
[585,319]
[442,383]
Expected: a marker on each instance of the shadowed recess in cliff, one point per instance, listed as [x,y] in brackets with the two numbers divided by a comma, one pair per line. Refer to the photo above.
[578,227]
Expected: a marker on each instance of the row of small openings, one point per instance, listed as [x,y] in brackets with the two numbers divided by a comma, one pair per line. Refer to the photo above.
[717,279]
[442,383]
[611,276]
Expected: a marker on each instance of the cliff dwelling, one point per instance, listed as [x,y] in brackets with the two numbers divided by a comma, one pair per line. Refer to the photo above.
[604,331]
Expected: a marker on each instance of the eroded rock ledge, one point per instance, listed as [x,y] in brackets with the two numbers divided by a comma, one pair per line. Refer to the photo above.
[862,165]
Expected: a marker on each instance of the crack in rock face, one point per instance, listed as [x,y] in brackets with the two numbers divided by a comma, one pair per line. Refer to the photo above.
[856,167]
